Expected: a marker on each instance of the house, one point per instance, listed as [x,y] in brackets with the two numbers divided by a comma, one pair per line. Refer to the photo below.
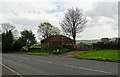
[56,42]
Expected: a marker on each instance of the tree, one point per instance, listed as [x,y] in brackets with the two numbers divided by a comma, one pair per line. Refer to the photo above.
[7,41]
[8,33]
[45,30]
[6,27]
[0,37]
[27,38]
[73,23]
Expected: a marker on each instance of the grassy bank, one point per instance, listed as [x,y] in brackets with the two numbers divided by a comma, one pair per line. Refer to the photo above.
[45,52]
[106,55]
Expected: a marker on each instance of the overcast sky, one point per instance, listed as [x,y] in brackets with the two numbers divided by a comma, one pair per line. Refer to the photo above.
[28,14]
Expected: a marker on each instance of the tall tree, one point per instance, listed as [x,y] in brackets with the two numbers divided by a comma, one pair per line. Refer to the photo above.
[7,41]
[27,38]
[6,27]
[0,37]
[45,30]
[73,23]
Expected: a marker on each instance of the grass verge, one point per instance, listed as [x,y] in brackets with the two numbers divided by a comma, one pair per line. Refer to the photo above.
[104,55]
[42,53]
[45,52]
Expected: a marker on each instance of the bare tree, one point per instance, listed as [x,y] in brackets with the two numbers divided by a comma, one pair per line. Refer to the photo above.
[9,27]
[73,23]
[45,30]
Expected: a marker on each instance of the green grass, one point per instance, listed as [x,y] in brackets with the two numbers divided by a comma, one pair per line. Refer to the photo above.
[107,55]
[44,53]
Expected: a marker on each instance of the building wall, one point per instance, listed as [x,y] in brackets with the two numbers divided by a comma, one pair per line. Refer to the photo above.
[57,44]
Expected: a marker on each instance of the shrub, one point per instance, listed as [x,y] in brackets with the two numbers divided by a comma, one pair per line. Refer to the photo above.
[24,48]
[61,51]
[110,45]
[82,46]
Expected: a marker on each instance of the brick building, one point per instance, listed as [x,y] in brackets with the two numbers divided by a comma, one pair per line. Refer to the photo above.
[56,42]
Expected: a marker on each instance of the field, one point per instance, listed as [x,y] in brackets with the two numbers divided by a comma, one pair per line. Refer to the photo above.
[106,55]
[87,41]
[35,53]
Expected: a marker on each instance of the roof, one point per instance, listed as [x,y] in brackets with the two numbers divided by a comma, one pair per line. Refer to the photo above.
[55,38]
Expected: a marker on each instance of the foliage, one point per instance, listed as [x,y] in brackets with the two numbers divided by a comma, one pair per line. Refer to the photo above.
[26,40]
[6,27]
[89,42]
[109,55]
[9,34]
[37,52]
[27,37]
[7,41]
[35,46]
[109,45]
[45,52]
[61,51]
[16,45]
[45,30]
[82,46]
[73,23]
[24,48]
[0,37]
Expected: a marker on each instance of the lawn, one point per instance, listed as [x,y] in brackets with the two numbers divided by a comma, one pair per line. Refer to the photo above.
[44,53]
[107,55]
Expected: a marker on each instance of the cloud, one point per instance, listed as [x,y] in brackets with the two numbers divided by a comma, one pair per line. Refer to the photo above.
[28,14]
[103,13]
[98,32]
[108,9]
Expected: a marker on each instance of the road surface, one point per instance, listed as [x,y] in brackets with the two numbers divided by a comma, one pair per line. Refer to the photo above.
[44,65]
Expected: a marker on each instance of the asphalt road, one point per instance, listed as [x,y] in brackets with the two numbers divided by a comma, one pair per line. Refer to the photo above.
[7,71]
[44,65]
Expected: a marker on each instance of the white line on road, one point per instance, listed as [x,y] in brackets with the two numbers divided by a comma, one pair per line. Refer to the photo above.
[11,70]
[78,67]
[87,69]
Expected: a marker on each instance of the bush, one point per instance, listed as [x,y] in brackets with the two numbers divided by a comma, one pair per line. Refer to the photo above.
[82,46]
[43,50]
[40,50]
[110,45]
[61,51]
[24,48]
[16,46]
[56,51]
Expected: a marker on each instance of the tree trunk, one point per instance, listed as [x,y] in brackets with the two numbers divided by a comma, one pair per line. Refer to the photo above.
[74,41]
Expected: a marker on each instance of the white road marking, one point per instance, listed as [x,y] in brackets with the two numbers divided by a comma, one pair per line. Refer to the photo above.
[64,65]
[87,69]
[79,67]
[11,70]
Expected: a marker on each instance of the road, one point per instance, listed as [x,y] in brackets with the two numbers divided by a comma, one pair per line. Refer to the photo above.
[51,65]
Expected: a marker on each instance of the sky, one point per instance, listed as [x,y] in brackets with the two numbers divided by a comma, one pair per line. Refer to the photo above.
[102,16]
